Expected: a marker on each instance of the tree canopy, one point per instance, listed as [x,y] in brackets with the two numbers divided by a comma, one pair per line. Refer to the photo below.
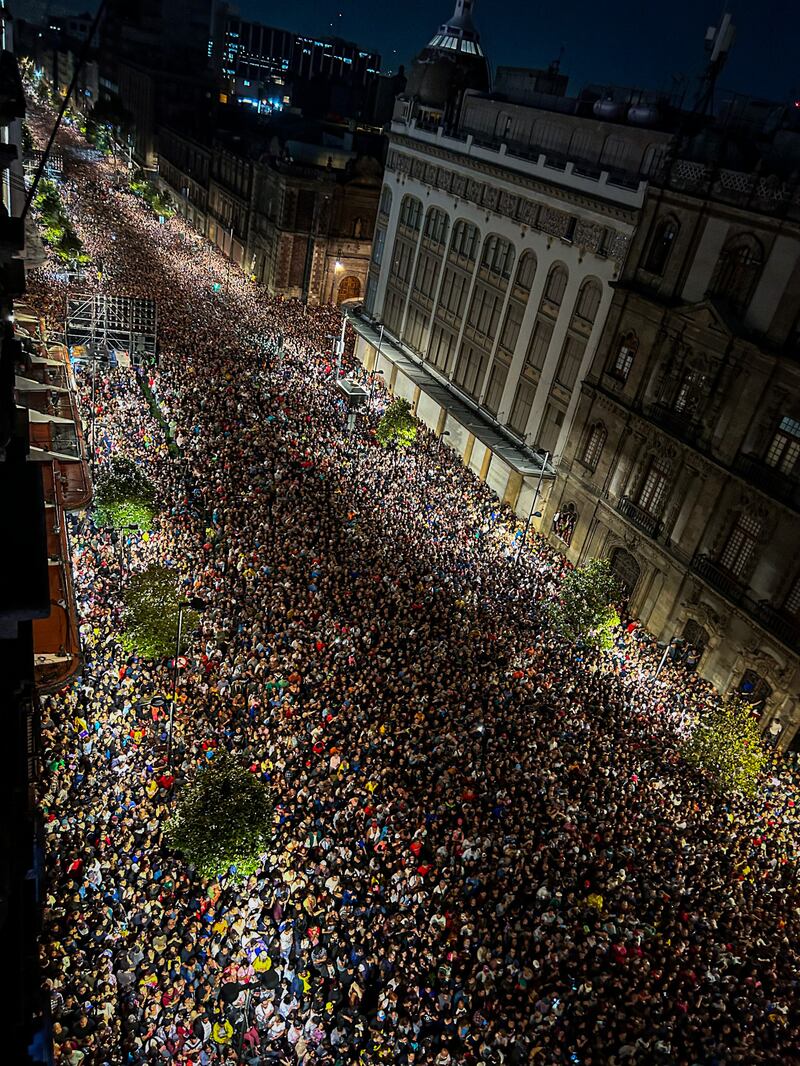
[398,425]
[584,610]
[223,820]
[726,743]
[152,603]
[124,496]
[57,230]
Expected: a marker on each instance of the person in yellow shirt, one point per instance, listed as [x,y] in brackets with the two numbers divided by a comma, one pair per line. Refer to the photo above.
[222,1032]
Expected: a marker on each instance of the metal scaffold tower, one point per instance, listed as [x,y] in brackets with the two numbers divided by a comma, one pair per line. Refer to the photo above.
[123,324]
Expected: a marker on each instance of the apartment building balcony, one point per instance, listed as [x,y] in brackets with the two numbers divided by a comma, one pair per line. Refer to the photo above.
[781,486]
[639,517]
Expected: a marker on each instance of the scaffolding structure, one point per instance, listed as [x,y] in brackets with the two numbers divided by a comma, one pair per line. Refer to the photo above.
[120,324]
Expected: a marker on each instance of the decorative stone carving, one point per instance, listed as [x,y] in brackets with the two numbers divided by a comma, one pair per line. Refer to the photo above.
[474,190]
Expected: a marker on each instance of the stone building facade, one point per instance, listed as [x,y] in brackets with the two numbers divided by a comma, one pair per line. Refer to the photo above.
[683,467]
[497,244]
[312,228]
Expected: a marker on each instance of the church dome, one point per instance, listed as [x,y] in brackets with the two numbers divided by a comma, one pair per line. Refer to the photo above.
[451,62]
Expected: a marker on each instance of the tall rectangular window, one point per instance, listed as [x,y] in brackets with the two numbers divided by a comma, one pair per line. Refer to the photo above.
[740,548]
[784,449]
[570,362]
[539,343]
[655,487]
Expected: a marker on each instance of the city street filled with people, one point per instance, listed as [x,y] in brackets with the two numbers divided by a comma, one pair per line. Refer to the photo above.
[487,847]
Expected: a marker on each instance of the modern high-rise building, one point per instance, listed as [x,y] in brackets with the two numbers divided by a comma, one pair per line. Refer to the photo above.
[268,69]
[683,464]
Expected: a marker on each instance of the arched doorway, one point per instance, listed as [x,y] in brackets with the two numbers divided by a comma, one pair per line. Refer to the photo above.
[625,569]
[349,289]
[755,689]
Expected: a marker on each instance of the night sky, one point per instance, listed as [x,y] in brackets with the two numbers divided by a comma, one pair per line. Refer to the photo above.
[622,42]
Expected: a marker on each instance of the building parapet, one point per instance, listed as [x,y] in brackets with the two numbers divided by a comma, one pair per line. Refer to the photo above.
[617,187]
[767,195]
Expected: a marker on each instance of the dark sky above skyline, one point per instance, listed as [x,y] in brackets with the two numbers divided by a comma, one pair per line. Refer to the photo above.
[628,42]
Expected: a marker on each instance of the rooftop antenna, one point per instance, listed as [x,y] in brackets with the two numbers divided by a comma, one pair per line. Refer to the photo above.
[719,41]
[555,65]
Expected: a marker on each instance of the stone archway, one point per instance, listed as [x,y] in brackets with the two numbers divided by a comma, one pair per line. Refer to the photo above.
[626,570]
[349,289]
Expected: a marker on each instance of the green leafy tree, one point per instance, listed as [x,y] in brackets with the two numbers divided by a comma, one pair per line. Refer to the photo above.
[124,496]
[223,820]
[398,425]
[726,743]
[584,610]
[48,202]
[150,623]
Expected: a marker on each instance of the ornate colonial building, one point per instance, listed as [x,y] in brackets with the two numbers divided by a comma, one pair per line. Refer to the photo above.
[683,466]
[504,219]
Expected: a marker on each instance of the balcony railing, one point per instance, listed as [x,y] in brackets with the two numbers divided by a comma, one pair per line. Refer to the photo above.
[675,422]
[784,627]
[719,578]
[639,517]
[782,486]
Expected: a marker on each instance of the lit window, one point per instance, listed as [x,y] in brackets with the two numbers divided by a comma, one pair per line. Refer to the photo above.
[653,493]
[740,549]
[785,447]
[626,353]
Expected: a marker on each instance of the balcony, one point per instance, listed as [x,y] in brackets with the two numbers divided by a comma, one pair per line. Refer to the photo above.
[783,487]
[783,626]
[778,623]
[640,518]
[711,572]
[679,424]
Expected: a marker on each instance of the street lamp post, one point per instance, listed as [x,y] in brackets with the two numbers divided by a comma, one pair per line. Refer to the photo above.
[675,641]
[198,605]
[533,511]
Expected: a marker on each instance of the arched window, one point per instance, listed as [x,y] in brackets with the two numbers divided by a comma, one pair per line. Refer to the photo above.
[593,448]
[386,200]
[502,126]
[661,245]
[754,688]
[626,570]
[614,152]
[556,285]
[588,300]
[654,156]
[739,554]
[626,353]
[410,212]
[581,147]
[696,635]
[498,256]
[465,240]
[564,522]
[737,272]
[436,226]
[526,271]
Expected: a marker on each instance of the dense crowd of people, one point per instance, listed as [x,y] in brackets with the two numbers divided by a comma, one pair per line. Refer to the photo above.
[487,847]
